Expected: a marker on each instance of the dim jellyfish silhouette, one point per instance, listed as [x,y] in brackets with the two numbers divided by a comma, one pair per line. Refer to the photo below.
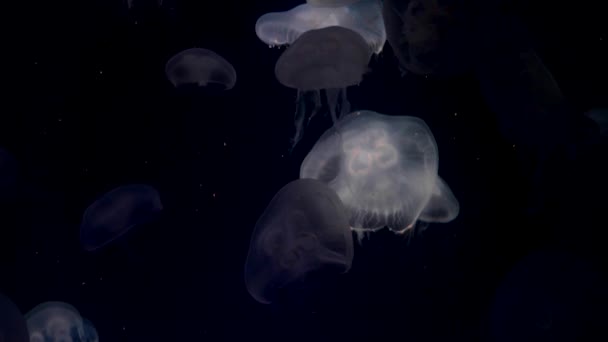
[550,295]
[363,17]
[600,117]
[303,230]
[58,322]
[13,327]
[384,169]
[116,212]
[329,59]
[200,67]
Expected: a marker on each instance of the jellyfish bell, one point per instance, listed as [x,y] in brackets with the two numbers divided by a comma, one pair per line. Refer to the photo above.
[384,169]
[329,59]
[304,230]
[363,17]
[54,321]
[116,213]
[201,68]
[13,327]
[90,333]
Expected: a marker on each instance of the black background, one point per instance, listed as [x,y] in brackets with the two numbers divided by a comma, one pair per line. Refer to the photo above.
[87,108]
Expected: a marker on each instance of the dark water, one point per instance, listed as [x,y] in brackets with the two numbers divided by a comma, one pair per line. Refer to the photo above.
[87,108]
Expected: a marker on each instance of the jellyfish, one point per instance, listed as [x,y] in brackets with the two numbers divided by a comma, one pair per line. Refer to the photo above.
[600,117]
[363,17]
[550,296]
[90,333]
[13,327]
[384,169]
[329,59]
[304,229]
[55,321]
[116,212]
[200,67]
[432,36]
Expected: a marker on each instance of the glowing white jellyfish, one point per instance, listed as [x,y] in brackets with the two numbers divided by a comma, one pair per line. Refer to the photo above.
[303,229]
[56,322]
[116,212]
[384,169]
[363,17]
[329,59]
[200,67]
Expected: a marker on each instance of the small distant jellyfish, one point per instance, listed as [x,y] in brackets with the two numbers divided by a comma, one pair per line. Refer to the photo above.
[200,67]
[363,17]
[329,59]
[116,212]
[13,327]
[304,229]
[55,322]
[384,169]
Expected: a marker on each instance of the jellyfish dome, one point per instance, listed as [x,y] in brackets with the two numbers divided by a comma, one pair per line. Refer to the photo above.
[384,169]
[200,67]
[116,212]
[303,229]
[13,327]
[363,17]
[55,321]
[329,59]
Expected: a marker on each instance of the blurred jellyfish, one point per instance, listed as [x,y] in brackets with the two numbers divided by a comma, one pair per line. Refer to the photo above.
[200,67]
[90,333]
[550,296]
[434,36]
[363,17]
[384,169]
[13,327]
[329,59]
[116,212]
[55,321]
[600,117]
[303,229]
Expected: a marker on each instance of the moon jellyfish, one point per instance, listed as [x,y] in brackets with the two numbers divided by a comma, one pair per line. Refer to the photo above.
[304,229]
[329,59]
[432,36]
[90,333]
[116,212]
[384,169]
[200,67]
[363,17]
[550,296]
[12,323]
[55,321]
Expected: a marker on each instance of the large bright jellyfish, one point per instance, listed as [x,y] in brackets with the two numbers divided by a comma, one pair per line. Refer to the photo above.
[384,169]
[116,212]
[56,322]
[12,323]
[329,59]
[200,67]
[303,229]
[363,17]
